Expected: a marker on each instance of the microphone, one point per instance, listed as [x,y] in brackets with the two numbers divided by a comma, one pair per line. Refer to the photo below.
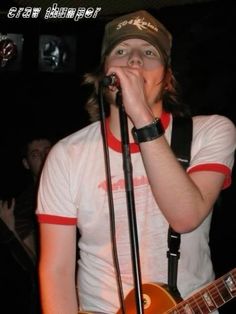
[111,80]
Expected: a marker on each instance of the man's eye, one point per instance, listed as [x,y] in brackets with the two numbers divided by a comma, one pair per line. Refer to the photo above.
[149,53]
[34,155]
[120,52]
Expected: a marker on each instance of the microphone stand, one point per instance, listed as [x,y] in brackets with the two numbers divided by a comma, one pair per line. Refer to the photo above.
[127,166]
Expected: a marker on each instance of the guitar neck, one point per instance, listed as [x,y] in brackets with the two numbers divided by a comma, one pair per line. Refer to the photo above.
[209,298]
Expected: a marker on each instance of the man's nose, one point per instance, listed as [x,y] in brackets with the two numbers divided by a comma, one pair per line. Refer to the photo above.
[135,59]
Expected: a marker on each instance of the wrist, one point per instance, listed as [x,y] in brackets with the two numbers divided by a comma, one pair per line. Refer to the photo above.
[148,132]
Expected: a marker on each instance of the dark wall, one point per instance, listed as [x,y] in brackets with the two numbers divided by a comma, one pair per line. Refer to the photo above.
[33,99]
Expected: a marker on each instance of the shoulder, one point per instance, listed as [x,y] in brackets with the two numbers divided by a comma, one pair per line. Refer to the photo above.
[213,145]
[75,147]
[214,135]
[213,121]
[77,138]
[214,125]
[87,132]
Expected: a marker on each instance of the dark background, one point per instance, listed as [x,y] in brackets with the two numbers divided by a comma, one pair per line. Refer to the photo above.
[52,101]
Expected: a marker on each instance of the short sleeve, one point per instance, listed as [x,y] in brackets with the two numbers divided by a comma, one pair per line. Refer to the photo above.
[214,142]
[54,201]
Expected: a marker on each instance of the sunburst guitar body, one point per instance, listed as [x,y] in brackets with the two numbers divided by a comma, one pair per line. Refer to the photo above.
[157,300]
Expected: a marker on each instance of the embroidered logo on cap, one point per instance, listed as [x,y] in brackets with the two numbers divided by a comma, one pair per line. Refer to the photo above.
[139,23]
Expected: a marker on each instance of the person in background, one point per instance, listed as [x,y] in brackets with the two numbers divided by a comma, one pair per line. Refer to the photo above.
[73,190]
[19,214]
[34,153]
[19,229]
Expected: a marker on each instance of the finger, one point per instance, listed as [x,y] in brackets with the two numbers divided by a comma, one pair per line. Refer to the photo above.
[13,203]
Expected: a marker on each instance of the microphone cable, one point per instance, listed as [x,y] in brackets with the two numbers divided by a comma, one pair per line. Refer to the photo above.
[110,198]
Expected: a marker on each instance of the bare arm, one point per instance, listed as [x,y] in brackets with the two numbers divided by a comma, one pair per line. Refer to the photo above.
[57,269]
[185,200]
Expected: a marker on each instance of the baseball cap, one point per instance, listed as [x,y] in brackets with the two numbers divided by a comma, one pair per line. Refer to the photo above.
[139,24]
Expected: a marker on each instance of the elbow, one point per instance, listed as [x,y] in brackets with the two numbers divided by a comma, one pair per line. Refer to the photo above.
[189,220]
[183,228]
[185,225]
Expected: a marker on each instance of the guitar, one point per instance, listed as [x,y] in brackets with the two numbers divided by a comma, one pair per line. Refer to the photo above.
[157,299]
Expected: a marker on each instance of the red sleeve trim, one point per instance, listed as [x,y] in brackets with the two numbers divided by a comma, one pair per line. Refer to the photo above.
[215,167]
[42,218]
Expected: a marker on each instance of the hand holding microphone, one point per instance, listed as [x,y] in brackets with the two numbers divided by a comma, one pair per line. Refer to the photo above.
[111,80]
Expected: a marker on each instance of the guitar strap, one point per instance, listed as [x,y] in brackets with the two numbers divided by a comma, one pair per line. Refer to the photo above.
[181,139]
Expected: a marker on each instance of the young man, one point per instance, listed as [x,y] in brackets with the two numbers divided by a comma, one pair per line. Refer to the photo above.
[34,153]
[19,234]
[19,216]
[73,190]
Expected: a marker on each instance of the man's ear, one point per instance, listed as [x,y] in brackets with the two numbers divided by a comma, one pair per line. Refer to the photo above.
[25,163]
[168,79]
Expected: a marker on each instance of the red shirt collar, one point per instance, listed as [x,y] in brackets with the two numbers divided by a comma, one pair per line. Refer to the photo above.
[115,144]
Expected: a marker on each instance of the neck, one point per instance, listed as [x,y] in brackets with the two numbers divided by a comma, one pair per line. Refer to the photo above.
[114,120]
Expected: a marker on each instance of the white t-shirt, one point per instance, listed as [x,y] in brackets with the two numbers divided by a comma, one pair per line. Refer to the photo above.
[73,190]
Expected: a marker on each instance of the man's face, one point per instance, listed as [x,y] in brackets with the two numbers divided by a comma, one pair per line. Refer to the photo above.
[36,154]
[139,54]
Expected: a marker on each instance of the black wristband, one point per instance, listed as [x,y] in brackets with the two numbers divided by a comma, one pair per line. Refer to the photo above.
[149,132]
